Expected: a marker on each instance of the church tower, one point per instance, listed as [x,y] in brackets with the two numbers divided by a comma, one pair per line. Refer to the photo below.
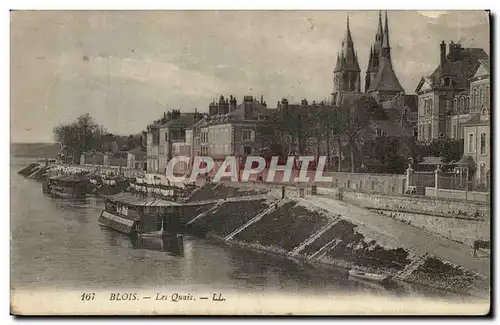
[381,80]
[346,75]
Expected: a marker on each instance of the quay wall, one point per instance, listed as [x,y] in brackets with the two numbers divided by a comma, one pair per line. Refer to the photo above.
[460,230]
[460,221]
[293,228]
[458,195]
[433,206]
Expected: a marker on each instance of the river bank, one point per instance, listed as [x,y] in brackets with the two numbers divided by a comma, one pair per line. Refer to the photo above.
[334,233]
[298,229]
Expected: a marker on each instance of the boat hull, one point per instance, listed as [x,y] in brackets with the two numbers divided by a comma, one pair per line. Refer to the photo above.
[371,277]
[130,226]
[118,223]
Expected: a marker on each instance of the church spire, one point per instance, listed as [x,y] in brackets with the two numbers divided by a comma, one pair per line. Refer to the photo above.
[370,59]
[379,34]
[346,74]
[386,48]
[348,55]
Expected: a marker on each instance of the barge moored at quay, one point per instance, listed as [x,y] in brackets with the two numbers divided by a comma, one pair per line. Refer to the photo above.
[133,214]
[65,186]
[108,184]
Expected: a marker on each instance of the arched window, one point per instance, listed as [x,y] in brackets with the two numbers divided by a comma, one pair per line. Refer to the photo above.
[455,104]
[467,102]
[462,103]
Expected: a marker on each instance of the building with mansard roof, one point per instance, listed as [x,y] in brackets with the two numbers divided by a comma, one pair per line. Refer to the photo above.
[445,97]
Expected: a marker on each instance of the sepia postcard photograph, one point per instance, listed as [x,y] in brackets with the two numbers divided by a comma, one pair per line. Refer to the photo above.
[250,162]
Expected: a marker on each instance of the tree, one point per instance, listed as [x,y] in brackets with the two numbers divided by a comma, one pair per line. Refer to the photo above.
[290,130]
[80,136]
[357,112]
[448,149]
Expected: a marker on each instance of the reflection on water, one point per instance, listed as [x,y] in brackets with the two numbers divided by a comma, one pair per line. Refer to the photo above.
[172,245]
[58,243]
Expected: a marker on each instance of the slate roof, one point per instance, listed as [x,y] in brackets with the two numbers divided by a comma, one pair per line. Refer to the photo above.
[460,71]
[138,151]
[69,178]
[385,79]
[485,63]
[132,199]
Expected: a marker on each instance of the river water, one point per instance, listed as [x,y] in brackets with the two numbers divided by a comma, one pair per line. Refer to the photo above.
[57,244]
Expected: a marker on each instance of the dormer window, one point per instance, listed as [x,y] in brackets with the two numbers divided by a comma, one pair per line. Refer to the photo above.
[484,113]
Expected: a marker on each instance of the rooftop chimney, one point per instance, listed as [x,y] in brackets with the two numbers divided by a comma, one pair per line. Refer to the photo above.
[442,47]
[452,51]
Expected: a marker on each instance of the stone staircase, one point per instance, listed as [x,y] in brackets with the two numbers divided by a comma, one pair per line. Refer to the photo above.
[273,206]
[201,215]
[314,236]
[407,271]
[323,250]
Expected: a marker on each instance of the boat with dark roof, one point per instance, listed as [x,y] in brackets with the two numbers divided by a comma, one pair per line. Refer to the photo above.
[136,214]
[66,186]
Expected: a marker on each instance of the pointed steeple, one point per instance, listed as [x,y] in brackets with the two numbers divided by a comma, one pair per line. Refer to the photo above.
[346,72]
[347,42]
[348,56]
[370,60]
[379,34]
[385,43]
[338,65]
[386,48]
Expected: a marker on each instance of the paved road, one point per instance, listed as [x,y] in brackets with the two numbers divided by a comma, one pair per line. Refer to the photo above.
[416,239]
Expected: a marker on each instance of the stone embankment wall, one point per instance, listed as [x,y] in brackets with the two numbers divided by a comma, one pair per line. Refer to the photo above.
[458,195]
[292,228]
[461,230]
[458,220]
[419,204]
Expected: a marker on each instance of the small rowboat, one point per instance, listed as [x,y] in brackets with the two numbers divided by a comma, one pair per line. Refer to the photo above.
[369,276]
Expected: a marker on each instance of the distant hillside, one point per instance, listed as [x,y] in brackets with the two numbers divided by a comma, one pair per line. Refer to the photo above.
[34,150]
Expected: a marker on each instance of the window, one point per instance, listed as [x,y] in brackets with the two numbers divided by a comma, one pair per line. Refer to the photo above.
[467,102]
[483,143]
[481,95]
[455,104]
[471,142]
[166,136]
[476,97]
[247,150]
[462,103]
[482,173]
[248,135]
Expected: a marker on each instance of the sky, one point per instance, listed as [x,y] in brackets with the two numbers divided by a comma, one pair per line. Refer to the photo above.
[126,68]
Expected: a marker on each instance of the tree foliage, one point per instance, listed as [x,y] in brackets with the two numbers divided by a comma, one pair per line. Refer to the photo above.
[86,134]
[448,149]
[77,137]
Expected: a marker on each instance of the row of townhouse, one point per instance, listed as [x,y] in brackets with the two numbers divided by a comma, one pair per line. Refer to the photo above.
[455,103]
[228,129]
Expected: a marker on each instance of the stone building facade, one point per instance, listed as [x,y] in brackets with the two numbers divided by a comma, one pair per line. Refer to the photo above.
[447,85]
